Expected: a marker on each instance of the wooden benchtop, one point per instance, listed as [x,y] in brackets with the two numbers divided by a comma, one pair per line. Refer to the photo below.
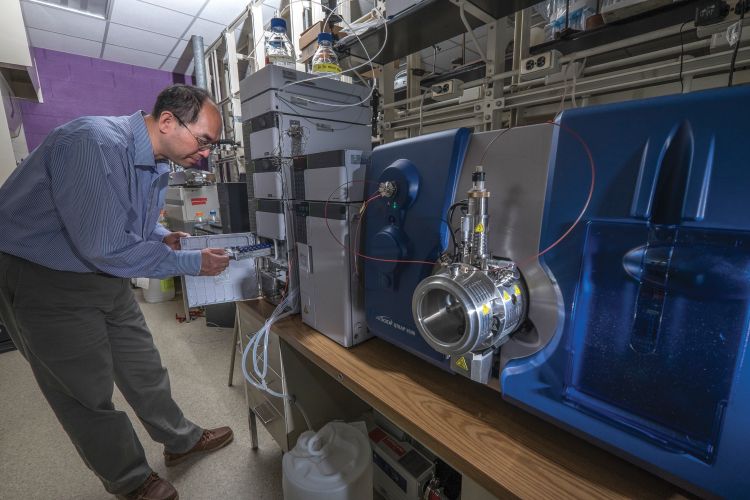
[503,448]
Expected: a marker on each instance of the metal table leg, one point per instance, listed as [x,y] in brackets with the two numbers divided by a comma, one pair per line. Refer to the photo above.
[185,306]
[234,346]
[252,421]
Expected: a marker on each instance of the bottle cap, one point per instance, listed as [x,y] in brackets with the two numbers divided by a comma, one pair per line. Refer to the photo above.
[325,37]
[198,214]
[277,22]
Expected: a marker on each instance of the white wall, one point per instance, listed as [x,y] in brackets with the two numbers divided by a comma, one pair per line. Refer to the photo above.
[14,57]
[20,147]
[7,155]
[14,46]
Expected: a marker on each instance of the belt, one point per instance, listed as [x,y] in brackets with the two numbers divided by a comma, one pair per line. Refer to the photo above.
[97,272]
[106,275]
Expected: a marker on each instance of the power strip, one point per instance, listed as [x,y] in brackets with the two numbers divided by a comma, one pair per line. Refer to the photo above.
[540,65]
[449,89]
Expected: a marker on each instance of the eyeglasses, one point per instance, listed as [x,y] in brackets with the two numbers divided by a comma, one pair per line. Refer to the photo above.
[203,145]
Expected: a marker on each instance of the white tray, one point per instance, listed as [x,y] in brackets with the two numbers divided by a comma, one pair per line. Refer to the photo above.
[238,282]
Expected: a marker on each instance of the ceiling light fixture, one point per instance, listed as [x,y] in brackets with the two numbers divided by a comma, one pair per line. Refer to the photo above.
[92,8]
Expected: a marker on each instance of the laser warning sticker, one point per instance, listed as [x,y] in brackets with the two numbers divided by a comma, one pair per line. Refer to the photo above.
[461,363]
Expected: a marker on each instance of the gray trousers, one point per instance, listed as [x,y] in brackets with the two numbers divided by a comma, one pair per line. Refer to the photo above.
[81,334]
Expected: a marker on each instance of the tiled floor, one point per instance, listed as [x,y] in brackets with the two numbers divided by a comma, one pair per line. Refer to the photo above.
[37,461]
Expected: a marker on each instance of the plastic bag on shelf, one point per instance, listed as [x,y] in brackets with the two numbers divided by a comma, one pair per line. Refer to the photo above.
[545,9]
[580,10]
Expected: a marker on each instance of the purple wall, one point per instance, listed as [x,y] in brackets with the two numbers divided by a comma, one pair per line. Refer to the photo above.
[74,86]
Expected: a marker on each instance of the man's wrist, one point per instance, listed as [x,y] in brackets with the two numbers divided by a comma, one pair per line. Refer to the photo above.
[160,232]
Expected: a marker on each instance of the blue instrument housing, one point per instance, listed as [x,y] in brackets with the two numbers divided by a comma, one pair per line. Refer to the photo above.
[409,226]
[649,355]
[655,283]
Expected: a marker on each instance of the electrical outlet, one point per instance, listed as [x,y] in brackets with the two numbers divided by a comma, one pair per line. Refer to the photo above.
[710,12]
[709,21]
[540,65]
[449,89]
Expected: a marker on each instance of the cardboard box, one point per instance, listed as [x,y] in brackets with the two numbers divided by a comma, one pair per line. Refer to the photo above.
[365,72]
[310,35]
[306,54]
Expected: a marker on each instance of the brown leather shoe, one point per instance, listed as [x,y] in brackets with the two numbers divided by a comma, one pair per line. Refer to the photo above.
[211,440]
[153,488]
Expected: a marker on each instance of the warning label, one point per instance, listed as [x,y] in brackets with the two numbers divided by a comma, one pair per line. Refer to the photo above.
[461,363]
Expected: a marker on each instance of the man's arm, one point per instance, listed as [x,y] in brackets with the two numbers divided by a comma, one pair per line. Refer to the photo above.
[158,233]
[96,222]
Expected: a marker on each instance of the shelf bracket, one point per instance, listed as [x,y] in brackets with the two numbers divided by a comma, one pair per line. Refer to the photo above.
[474,11]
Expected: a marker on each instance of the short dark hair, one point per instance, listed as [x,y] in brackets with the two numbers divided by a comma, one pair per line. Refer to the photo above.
[183,101]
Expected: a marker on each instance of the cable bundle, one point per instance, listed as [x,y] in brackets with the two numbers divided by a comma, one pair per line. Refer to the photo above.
[259,340]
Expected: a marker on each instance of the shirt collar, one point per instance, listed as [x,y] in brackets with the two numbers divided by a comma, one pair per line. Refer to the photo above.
[144,151]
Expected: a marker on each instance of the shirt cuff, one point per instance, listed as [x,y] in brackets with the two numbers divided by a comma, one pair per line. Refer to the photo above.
[189,262]
[159,233]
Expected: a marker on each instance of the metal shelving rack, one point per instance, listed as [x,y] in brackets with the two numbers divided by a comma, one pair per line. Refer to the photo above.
[655,53]
[427,23]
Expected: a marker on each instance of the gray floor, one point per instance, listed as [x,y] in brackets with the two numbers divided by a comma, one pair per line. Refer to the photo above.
[37,461]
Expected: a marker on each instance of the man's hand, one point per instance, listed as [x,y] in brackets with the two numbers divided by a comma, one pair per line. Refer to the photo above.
[172,240]
[213,261]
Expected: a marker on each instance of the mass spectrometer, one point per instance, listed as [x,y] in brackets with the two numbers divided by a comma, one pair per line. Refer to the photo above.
[595,270]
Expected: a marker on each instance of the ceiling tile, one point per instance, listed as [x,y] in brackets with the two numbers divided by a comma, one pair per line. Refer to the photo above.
[223,11]
[429,52]
[427,65]
[269,11]
[174,65]
[458,40]
[181,48]
[438,71]
[150,17]
[208,30]
[445,57]
[60,21]
[471,50]
[134,57]
[482,43]
[190,7]
[133,38]
[63,43]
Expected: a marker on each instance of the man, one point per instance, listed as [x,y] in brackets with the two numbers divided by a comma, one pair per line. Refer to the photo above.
[79,217]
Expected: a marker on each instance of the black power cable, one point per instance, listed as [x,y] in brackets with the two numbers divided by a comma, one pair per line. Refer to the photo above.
[682,58]
[451,210]
[744,7]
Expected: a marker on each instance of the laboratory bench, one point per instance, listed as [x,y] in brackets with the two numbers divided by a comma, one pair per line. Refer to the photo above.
[501,449]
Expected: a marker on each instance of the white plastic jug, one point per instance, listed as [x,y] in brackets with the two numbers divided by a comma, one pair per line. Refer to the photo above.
[159,290]
[333,464]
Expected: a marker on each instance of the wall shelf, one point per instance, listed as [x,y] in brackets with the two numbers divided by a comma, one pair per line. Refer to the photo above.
[427,23]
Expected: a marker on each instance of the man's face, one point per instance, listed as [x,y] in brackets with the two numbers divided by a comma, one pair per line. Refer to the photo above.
[186,143]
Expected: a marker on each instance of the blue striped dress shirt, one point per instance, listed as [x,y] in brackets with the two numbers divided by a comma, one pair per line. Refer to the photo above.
[88,199]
